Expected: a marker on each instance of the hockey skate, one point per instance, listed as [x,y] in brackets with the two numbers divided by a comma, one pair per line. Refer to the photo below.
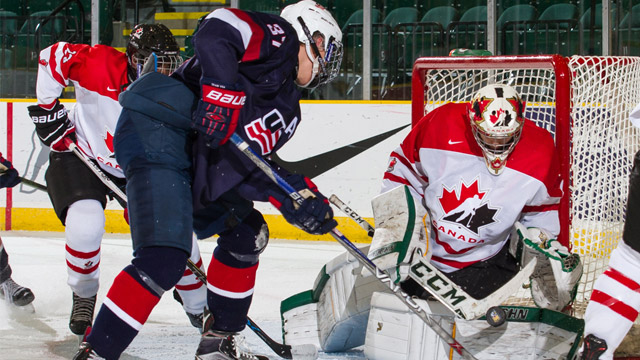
[81,314]
[593,347]
[16,294]
[85,352]
[220,345]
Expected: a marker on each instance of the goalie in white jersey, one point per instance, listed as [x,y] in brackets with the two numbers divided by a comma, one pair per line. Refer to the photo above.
[99,74]
[469,185]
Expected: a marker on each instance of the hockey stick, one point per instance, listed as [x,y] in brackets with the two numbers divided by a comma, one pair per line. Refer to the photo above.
[31,183]
[352,214]
[280,349]
[306,351]
[353,250]
[447,292]
[95,169]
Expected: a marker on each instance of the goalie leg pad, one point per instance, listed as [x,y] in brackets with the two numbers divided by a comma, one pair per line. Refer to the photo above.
[396,333]
[340,302]
[400,229]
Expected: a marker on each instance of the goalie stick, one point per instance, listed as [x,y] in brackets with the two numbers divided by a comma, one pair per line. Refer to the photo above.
[31,183]
[382,276]
[447,292]
[285,350]
[307,351]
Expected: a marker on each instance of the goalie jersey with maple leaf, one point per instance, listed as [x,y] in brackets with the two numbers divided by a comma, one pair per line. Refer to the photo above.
[473,198]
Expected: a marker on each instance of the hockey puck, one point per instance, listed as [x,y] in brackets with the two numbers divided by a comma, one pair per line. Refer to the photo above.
[496,316]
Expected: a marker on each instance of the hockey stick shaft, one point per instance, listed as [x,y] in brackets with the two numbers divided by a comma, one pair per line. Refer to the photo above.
[284,351]
[353,250]
[31,183]
[352,214]
[95,169]
[280,349]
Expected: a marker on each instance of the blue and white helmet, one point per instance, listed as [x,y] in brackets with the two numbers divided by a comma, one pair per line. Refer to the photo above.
[310,20]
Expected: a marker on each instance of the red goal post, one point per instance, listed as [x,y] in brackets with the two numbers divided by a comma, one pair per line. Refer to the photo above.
[584,102]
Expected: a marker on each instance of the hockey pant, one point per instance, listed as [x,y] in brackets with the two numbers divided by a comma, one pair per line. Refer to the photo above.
[151,144]
[615,299]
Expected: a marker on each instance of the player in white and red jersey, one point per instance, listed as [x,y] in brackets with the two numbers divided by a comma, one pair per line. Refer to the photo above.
[98,74]
[478,168]
[615,302]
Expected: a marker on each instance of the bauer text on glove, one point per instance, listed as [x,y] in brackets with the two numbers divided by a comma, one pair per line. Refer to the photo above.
[52,125]
[216,116]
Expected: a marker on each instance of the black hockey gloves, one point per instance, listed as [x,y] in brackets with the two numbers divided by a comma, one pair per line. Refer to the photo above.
[8,175]
[53,126]
[217,114]
[314,215]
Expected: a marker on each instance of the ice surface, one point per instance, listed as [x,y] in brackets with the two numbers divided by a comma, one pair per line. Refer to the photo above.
[37,259]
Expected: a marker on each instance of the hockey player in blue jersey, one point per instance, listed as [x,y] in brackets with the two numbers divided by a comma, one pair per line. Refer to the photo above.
[172,142]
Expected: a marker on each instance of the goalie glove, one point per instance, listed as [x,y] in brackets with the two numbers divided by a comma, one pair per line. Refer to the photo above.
[9,176]
[216,116]
[53,125]
[555,279]
[314,215]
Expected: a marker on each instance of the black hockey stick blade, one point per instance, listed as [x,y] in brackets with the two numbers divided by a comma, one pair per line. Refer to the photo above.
[296,352]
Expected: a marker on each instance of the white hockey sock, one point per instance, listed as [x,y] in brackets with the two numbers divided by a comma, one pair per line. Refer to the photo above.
[615,300]
[191,289]
[84,230]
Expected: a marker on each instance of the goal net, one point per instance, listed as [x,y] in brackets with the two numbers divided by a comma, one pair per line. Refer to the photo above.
[584,102]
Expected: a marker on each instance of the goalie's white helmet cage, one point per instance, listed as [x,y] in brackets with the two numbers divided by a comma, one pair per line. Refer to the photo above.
[311,19]
[496,117]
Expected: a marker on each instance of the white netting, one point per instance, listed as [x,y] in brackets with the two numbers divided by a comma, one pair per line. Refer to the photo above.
[602,140]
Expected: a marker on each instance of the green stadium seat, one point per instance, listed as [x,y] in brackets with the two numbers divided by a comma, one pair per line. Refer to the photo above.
[8,28]
[560,13]
[470,31]
[516,13]
[512,26]
[443,15]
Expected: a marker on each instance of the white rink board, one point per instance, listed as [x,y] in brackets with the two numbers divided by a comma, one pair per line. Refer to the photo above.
[325,126]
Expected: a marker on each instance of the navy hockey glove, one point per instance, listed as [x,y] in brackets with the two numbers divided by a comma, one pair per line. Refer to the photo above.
[53,125]
[216,116]
[8,175]
[314,215]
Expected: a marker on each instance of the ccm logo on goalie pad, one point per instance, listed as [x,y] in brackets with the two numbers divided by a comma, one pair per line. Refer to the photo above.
[49,117]
[222,97]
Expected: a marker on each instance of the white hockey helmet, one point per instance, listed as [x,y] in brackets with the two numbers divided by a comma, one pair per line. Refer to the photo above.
[496,114]
[310,20]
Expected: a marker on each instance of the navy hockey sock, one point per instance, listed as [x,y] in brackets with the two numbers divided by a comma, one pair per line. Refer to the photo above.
[5,269]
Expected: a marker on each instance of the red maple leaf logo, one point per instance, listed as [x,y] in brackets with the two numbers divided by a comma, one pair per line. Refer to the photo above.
[109,141]
[450,199]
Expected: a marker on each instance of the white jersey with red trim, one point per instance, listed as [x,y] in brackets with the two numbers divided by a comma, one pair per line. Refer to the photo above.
[99,75]
[472,211]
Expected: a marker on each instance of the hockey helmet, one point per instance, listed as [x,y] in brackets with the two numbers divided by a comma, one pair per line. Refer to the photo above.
[311,20]
[496,114]
[146,39]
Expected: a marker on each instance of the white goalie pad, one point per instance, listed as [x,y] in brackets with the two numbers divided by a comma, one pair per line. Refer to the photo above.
[333,315]
[396,333]
[400,230]
[555,279]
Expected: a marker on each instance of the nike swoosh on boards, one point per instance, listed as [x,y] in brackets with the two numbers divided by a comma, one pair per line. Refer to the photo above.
[321,163]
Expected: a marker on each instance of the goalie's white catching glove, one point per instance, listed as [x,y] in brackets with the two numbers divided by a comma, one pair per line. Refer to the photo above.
[554,281]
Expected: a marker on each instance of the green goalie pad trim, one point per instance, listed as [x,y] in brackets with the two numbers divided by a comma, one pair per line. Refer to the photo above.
[297,300]
[549,317]
[569,263]
[401,247]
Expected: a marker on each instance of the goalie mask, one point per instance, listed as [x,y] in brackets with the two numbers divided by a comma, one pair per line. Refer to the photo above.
[496,114]
[146,39]
[311,20]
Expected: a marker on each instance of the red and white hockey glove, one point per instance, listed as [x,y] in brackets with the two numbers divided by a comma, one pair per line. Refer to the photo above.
[9,176]
[314,215]
[53,125]
[216,116]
